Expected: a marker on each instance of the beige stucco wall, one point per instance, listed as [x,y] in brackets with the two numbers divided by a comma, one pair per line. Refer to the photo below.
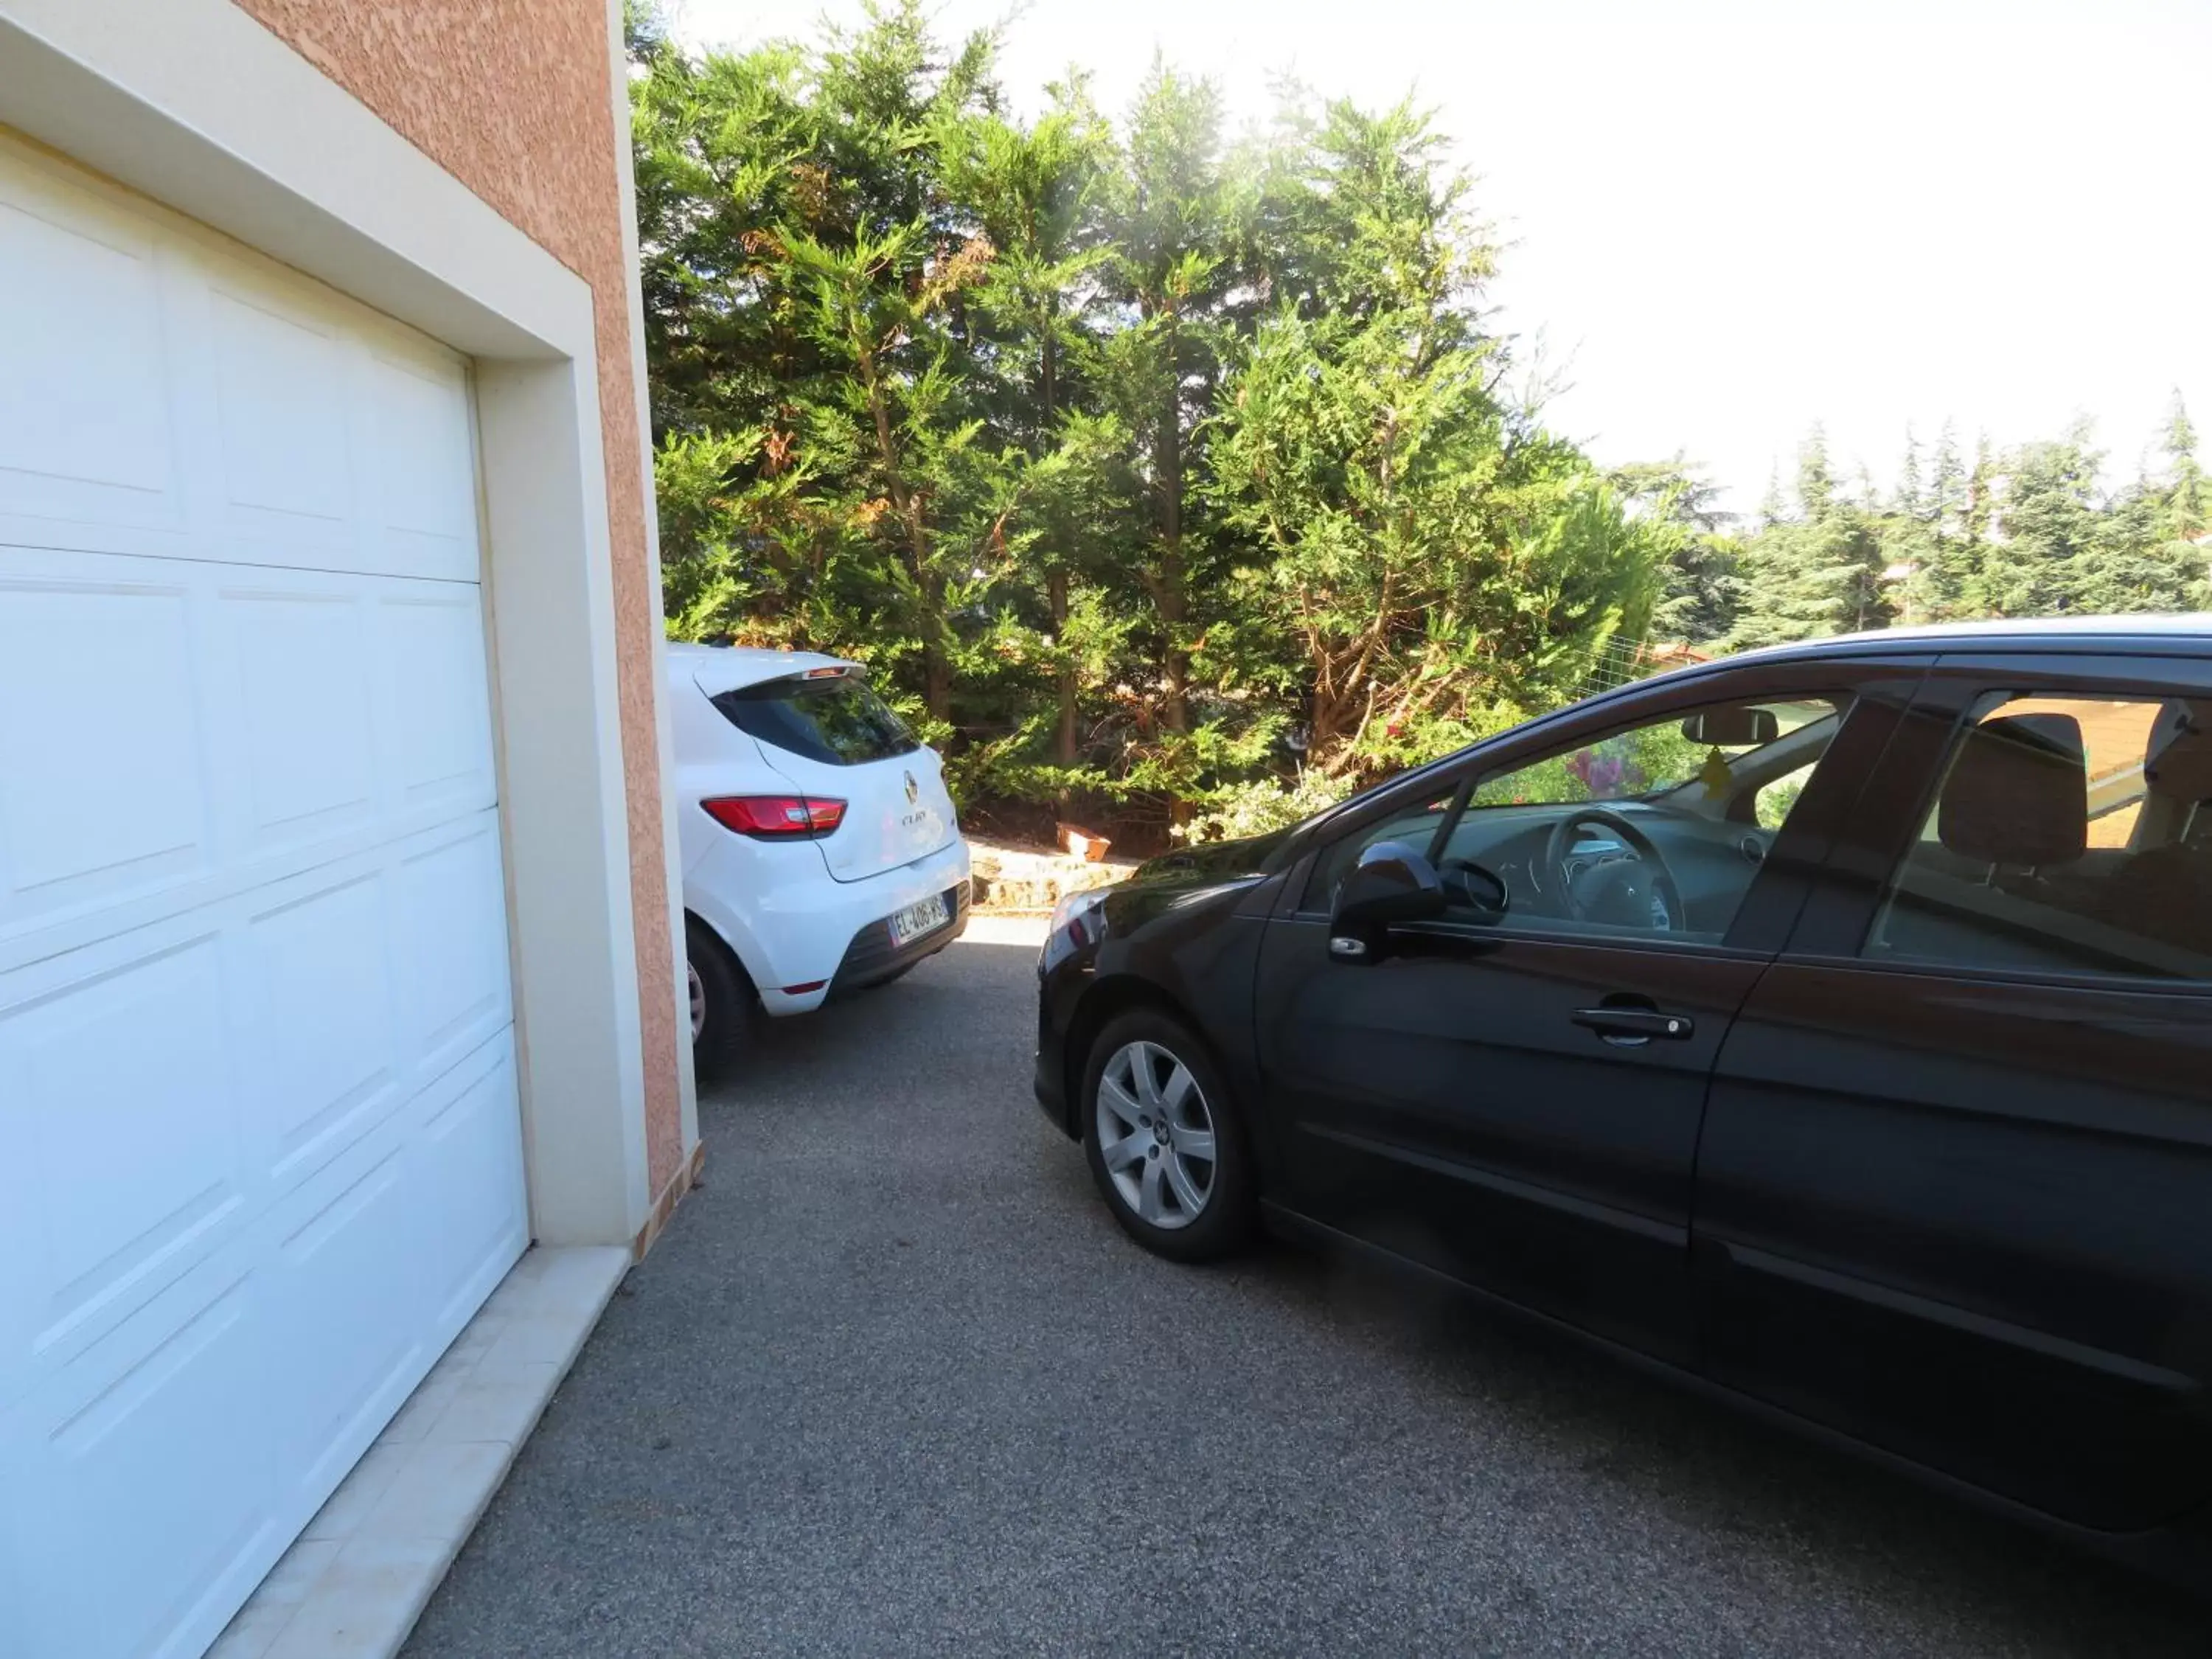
[513,98]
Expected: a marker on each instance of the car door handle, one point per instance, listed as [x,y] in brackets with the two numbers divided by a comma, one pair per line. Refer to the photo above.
[1635,1025]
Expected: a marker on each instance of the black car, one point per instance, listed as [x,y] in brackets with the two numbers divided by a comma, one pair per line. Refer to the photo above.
[1830,1026]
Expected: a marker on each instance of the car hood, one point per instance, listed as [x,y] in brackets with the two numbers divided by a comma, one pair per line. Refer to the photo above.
[1215,861]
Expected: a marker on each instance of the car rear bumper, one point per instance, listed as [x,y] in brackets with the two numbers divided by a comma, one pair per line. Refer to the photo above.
[796,927]
[871,958]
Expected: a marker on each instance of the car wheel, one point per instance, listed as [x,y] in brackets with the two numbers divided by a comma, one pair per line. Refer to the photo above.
[725,1010]
[1163,1140]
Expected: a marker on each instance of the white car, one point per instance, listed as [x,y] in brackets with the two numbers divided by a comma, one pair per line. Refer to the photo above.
[821,853]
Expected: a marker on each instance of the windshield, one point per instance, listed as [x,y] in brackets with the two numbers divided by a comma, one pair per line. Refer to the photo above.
[1644,762]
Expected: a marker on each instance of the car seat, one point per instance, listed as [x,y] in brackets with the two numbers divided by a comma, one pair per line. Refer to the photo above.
[2164,892]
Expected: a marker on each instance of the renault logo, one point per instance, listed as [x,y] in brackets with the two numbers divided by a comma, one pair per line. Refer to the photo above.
[913,790]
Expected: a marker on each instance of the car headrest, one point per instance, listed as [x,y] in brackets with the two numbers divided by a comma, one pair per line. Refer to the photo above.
[2178,759]
[2019,793]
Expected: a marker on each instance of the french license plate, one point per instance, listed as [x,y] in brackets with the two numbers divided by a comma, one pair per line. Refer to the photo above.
[916,920]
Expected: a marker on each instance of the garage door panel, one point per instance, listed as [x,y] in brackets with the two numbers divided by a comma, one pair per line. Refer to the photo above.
[431,645]
[411,1221]
[349,1363]
[128,1084]
[159,1473]
[284,393]
[449,920]
[469,1151]
[306,684]
[208,1065]
[260,1155]
[241,726]
[324,1041]
[77,1270]
[161,398]
[423,501]
[22,1244]
[99,741]
[85,418]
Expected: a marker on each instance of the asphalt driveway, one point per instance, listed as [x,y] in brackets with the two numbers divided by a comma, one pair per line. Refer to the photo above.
[893,1383]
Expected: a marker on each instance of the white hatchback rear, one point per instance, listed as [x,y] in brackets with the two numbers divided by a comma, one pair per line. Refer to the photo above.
[821,852]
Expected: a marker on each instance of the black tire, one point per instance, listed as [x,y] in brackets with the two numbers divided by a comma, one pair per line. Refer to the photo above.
[731,1019]
[1223,1223]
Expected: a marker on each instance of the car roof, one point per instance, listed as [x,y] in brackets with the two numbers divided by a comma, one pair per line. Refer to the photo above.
[718,668]
[2189,633]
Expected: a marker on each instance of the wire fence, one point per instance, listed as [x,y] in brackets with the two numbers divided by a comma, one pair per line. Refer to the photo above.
[1623,661]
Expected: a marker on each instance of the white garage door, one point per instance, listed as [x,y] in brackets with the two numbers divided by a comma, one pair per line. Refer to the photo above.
[260,1150]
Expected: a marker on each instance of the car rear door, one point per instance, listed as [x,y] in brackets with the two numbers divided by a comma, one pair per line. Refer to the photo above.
[1956,1171]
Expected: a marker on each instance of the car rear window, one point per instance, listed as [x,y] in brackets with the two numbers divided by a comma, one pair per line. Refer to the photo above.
[837,720]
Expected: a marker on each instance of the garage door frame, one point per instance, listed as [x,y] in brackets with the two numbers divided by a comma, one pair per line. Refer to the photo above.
[194,105]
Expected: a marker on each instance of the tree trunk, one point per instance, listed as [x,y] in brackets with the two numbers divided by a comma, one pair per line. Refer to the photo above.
[937,669]
[1046,377]
[1167,465]
[1063,747]
[1334,719]
[1056,597]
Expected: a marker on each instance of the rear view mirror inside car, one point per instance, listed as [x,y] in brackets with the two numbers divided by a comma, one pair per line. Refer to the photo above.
[1732,728]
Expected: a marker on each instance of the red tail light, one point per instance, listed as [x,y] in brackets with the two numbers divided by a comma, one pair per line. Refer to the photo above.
[775,817]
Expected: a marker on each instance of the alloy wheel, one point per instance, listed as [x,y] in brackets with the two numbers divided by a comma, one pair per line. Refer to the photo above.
[698,1001]
[1156,1135]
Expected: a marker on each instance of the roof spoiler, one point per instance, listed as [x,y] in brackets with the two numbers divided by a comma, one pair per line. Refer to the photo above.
[773,684]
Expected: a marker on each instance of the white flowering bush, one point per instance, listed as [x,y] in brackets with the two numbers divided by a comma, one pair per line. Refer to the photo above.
[1253,809]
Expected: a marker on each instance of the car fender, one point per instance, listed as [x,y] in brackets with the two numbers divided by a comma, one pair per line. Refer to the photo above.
[1161,949]
[729,926]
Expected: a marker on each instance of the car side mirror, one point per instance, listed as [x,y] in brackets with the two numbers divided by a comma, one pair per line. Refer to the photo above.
[1391,884]
[1732,728]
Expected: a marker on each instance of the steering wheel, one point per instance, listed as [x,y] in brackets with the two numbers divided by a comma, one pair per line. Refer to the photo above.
[1655,901]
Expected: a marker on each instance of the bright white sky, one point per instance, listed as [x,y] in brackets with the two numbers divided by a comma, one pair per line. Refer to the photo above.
[1727,219]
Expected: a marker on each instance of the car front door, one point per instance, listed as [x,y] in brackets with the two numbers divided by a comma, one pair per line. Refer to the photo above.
[1515,1100]
[1956,1173]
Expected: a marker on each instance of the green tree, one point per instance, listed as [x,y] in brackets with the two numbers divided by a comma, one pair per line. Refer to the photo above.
[2036,563]
[1035,195]
[1703,582]
[1906,526]
[1170,224]
[2186,522]
[1949,563]
[2188,499]
[1133,462]
[1817,571]
[1424,550]
[821,459]
[2144,553]
[2128,566]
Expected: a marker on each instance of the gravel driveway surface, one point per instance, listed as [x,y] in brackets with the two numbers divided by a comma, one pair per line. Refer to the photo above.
[894,1383]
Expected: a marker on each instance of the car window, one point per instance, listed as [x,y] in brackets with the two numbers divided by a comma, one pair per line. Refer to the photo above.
[833,719]
[1654,759]
[1772,802]
[2070,835]
[1654,830]
[1416,826]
